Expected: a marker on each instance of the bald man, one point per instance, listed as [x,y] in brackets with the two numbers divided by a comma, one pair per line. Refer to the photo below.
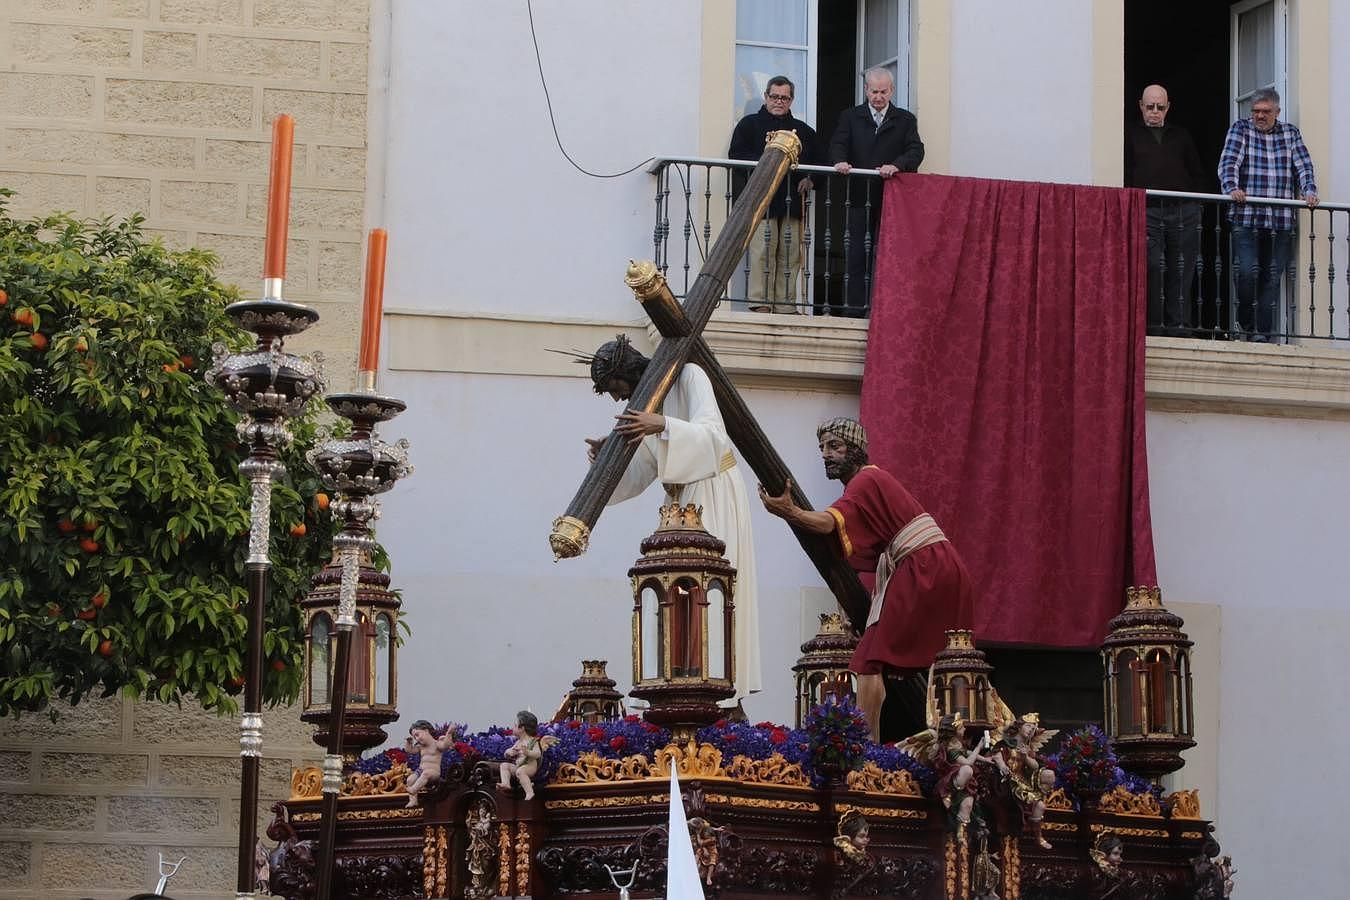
[1163,157]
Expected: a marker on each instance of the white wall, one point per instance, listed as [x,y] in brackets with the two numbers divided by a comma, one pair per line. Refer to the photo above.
[497,625]
[1250,513]
[484,212]
[1021,90]
[1333,175]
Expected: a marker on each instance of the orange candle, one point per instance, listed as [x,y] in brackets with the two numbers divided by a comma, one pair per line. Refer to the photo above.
[279,197]
[373,307]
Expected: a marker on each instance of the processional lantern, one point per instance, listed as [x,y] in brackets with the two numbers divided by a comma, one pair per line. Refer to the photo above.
[372,687]
[822,669]
[593,697]
[960,680]
[1147,682]
[683,623]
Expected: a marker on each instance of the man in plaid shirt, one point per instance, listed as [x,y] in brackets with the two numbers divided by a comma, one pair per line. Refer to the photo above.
[1261,155]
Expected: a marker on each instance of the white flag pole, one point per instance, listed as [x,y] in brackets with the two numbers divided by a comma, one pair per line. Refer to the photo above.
[682,881]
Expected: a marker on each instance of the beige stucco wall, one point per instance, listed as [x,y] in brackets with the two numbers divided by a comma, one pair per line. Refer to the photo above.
[164,107]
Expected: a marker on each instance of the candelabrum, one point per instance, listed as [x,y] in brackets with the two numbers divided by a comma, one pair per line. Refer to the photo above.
[357,467]
[268,387]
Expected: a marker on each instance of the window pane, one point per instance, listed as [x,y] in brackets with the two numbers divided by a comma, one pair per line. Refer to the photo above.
[771,21]
[319,660]
[382,654]
[717,642]
[756,65]
[649,626]
[881,30]
[1256,49]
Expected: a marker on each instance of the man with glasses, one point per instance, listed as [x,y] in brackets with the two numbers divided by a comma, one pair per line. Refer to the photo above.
[1163,157]
[872,135]
[775,248]
[1261,156]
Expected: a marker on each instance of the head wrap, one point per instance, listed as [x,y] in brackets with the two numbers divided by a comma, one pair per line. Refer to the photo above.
[850,431]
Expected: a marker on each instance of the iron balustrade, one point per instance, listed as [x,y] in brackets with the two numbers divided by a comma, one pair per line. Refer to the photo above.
[1196,287]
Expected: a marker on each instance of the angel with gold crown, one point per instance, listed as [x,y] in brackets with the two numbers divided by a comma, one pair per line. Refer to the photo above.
[1016,758]
[943,749]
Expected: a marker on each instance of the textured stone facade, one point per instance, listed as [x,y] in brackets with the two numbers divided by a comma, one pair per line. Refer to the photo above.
[164,108]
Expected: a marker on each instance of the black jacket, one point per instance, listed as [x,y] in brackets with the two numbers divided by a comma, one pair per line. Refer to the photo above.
[747,142]
[858,142]
[1171,164]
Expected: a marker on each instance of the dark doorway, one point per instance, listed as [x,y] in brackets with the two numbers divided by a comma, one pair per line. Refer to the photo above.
[1185,48]
[836,91]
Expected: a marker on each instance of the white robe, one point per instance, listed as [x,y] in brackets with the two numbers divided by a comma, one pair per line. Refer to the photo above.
[690,453]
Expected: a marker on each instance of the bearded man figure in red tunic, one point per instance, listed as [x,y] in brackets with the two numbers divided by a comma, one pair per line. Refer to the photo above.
[919,585]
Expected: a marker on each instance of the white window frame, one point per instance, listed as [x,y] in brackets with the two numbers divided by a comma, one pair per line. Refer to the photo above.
[1281,53]
[807,91]
[904,95]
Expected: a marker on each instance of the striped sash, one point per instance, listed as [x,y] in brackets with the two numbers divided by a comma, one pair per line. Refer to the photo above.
[919,533]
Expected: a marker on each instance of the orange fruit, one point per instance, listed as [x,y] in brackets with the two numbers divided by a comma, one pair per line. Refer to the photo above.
[100,600]
[105,648]
[321,501]
[298,530]
[87,615]
[38,340]
[89,545]
[23,316]
[238,681]
[4,298]
[279,665]
[82,345]
[170,367]
[90,526]
[186,360]
[65,526]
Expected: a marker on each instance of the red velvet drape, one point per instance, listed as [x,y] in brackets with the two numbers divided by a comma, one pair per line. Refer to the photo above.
[1004,386]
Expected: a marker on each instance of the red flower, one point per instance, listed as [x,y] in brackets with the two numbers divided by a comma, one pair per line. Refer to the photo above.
[778,736]
[595,733]
[464,749]
[630,718]
[730,738]
[574,724]
[765,725]
[396,755]
[617,742]
[720,724]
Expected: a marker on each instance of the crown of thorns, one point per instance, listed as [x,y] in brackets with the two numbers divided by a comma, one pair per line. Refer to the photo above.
[611,361]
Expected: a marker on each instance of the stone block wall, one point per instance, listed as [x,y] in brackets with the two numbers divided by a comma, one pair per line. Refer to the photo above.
[164,107]
[89,799]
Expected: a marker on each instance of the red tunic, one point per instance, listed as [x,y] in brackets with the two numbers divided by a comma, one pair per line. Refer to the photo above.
[930,590]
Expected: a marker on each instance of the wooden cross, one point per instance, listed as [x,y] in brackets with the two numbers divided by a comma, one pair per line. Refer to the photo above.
[682,341]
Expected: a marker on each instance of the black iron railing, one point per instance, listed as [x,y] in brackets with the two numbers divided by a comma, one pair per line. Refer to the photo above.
[817,259]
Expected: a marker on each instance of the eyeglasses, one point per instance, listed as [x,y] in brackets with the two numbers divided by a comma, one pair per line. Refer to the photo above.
[1153,106]
[1262,111]
[781,98]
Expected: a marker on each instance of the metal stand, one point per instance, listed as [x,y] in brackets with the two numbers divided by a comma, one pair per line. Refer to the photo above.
[267,386]
[357,467]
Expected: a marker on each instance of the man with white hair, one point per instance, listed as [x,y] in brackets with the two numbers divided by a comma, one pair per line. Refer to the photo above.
[872,135]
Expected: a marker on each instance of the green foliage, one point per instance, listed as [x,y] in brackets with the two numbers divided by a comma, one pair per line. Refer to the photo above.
[119,479]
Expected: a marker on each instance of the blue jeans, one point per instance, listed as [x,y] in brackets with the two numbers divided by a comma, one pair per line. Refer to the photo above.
[1260,262]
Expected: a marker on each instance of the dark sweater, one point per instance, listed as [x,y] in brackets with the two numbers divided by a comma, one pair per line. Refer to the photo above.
[747,142]
[1169,164]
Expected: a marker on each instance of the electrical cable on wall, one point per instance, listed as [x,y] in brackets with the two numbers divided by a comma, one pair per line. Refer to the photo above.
[529,8]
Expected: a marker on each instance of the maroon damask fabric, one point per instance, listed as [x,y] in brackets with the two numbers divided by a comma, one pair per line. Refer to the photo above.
[1004,387]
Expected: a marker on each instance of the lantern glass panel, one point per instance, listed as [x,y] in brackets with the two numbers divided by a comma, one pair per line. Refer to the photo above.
[1129,698]
[1184,693]
[687,609]
[649,628]
[383,655]
[717,638]
[960,696]
[320,659]
[1160,692]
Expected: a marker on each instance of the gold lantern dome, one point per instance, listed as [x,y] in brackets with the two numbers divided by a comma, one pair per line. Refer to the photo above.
[593,697]
[822,669]
[960,680]
[683,623]
[1147,683]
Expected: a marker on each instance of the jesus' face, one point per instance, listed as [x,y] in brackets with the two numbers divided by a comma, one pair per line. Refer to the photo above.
[834,453]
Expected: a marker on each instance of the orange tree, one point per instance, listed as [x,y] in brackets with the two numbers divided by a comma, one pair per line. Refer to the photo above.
[123,518]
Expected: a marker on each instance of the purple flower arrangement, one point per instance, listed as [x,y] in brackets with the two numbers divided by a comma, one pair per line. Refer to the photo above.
[837,735]
[756,742]
[890,758]
[1086,767]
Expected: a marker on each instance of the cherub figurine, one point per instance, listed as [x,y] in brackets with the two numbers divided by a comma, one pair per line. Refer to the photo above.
[524,755]
[852,861]
[704,837]
[1028,781]
[1213,873]
[423,742]
[1108,852]
[944,750]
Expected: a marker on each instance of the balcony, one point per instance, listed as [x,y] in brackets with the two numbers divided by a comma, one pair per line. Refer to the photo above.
[1206,348]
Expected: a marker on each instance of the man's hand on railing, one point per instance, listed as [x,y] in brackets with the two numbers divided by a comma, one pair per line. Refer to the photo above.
[888,170]
[1239,195]
[843,168]
[1310,199]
